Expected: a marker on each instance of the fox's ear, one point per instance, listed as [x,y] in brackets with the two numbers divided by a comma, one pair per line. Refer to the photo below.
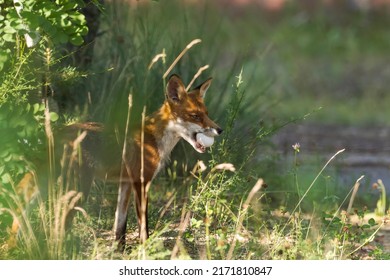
[204,87]
[175,89]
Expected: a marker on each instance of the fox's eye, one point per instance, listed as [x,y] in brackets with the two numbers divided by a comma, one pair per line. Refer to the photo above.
[195,117]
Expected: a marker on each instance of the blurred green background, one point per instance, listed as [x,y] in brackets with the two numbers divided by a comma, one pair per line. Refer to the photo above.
[323,65]
[302,55]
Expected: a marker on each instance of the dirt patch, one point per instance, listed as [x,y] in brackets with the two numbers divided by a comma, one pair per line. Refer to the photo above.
[325,139]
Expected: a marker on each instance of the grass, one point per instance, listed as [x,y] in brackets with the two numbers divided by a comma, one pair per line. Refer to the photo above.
[266,75]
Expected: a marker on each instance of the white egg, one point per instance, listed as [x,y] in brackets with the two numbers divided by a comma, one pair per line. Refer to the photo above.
[204,140]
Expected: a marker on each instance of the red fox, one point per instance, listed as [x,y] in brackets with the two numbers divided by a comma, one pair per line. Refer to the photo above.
[182,115]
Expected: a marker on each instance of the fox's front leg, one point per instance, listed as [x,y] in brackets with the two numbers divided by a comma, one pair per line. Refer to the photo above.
[121,214]
[141,204]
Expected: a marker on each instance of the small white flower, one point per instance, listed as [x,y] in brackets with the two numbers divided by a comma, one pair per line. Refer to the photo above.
[296,147]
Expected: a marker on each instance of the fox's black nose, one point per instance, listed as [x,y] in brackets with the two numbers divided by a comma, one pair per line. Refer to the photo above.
[219,130]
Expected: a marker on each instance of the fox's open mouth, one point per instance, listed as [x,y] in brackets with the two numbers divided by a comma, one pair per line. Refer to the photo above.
[198,146]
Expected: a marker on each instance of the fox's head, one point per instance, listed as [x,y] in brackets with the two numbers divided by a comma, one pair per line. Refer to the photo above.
[189,114]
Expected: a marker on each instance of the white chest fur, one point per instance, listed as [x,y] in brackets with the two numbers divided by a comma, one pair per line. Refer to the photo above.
[167,143]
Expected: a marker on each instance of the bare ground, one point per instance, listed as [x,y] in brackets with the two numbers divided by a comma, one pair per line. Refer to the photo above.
[320,138]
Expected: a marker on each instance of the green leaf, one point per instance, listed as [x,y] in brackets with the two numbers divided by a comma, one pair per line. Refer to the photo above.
[372,222]
[70,6]
[8,38]
[77,40]
[65,22]
[78,17]
[35,108]
[4,154]
[41,107]
[9,30]
[5,178]
[72,29]
[8,158]
[51,30]
[84,30]
[53,116]
[62,38]
[32,20]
